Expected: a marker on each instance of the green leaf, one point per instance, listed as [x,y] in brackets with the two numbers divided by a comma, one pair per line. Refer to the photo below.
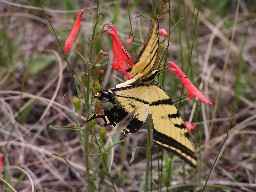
[39,62]
[77,103]
[66,128]
[26,112]
[134,152]
[103,133]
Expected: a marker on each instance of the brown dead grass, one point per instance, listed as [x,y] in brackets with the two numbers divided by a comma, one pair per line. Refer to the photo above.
[30,143]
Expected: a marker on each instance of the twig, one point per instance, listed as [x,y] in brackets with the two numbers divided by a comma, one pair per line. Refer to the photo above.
[220,152]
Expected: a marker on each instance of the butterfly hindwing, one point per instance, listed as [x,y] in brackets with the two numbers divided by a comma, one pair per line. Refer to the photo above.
[169,129]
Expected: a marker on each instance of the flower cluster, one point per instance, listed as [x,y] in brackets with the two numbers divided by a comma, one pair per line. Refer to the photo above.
[122,59]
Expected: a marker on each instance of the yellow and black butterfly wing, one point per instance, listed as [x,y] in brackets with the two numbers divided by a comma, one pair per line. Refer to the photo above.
[148,54]
[132,99]
[169,130]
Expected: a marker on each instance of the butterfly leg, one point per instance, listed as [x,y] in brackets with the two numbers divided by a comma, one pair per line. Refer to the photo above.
[104,117]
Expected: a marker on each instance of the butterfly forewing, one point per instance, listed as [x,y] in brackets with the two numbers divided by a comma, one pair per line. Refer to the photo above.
[148,55]
[133,99]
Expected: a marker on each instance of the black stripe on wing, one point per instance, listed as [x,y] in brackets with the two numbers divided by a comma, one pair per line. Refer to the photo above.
[180,126]
[134,98]
[152,58]
[162,102]
[150,34]
[165,140]
[115,114]
[172,115]
[133,126]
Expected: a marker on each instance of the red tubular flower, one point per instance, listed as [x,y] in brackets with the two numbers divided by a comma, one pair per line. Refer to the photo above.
[189,126]
[74,32]
[121,55]
[163,32]
[192,90]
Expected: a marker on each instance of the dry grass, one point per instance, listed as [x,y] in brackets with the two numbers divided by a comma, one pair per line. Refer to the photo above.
[223,63]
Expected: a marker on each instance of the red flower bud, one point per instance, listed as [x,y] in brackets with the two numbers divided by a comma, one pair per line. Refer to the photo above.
[189,126]
[128,41]
[163,32]
[74,32]
[103,53]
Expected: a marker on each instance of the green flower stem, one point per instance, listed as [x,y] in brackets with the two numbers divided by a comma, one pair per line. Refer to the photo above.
[86,131]
[149,128]
[149,146]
